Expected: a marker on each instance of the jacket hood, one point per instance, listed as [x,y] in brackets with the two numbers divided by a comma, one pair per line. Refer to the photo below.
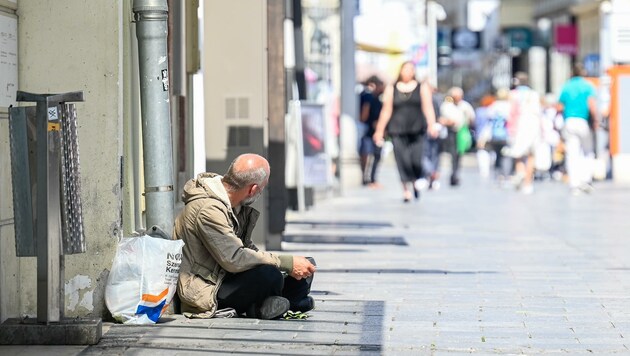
[206,185]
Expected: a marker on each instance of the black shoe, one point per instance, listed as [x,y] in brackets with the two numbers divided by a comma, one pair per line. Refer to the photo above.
[272,307]
[307,303]
[454,181]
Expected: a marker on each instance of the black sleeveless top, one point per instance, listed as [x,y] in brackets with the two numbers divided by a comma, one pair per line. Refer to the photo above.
[407,116]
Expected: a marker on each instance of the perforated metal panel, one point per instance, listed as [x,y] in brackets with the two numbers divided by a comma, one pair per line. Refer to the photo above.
[71,209]
[63,153]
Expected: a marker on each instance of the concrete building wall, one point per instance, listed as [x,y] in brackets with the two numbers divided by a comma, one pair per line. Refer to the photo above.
[588,23]
[66,46]
[8,73]
[456,13]
[516,13]
[234,65]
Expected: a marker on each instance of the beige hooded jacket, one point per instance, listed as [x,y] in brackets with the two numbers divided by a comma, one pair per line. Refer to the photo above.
[217,241]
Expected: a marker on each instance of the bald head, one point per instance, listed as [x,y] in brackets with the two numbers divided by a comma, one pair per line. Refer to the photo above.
[245,170]
[456,93]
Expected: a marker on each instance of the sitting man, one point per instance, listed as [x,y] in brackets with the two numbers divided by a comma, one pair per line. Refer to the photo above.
[221,267]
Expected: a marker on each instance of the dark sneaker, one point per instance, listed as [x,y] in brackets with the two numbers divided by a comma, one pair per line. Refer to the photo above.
[272,307]
[307,303]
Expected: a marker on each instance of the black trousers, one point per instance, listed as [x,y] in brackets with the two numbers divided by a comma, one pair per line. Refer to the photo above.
[501,164]
[252,287]
[450,146]
[408,154]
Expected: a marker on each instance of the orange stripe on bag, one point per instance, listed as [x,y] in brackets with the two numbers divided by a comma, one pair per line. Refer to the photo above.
[154,298]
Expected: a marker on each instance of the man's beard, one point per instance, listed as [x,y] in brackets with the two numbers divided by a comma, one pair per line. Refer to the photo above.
[250,200]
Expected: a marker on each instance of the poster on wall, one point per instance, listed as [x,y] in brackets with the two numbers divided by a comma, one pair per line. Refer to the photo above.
[8,60]
[317,162]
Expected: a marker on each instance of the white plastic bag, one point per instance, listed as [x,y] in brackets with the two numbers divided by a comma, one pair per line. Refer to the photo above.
[542,156]
[143,279]
[386,149]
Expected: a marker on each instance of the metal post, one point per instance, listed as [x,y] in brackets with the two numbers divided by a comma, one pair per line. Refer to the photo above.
[349,99]
[48,229]
[298,37]
[435,12]
[151,18]
[49,132]
[295,113]
[431,23]
[289,55]
[48,215]
[277,190]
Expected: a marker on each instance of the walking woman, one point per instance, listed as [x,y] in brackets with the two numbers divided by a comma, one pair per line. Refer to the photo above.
[407,115]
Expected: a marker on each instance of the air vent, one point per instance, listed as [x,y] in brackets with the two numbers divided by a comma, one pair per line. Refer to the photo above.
[243,108]
[230,108]
[238,136]
[237,108]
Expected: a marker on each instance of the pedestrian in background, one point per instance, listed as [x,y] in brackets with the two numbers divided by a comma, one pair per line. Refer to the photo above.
[550,137]
[370,109]
[455,113]
[553,123]
[407,115]
[578,104]
[483,135]
[431,159]
[525,112]
[499,112]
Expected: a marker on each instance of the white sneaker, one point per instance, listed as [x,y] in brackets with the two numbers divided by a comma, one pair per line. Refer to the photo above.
[517,181]
[527,189]
[587,188]
[435,185]
[421,184]
[557,175]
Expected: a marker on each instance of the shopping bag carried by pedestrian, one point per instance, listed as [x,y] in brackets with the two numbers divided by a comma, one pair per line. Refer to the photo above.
[143,279]
[463,139]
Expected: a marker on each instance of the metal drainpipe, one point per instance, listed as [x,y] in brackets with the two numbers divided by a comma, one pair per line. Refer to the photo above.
[151,17]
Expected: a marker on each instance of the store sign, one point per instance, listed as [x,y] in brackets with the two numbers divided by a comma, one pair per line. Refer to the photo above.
[465,39]
[566,39]
[518,37]
[620,35]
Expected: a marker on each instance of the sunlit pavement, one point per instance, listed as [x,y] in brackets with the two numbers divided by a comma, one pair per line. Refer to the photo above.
[475,269]
[483,268]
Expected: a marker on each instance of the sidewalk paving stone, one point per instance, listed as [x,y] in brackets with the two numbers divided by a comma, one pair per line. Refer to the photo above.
[482,270]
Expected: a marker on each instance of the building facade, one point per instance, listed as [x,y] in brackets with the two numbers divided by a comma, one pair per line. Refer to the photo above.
[220,74]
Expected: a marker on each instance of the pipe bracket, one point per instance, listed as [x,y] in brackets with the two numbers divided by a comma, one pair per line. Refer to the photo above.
[164,188]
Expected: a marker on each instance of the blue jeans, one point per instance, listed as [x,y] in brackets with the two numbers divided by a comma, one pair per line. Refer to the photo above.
[431,159]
